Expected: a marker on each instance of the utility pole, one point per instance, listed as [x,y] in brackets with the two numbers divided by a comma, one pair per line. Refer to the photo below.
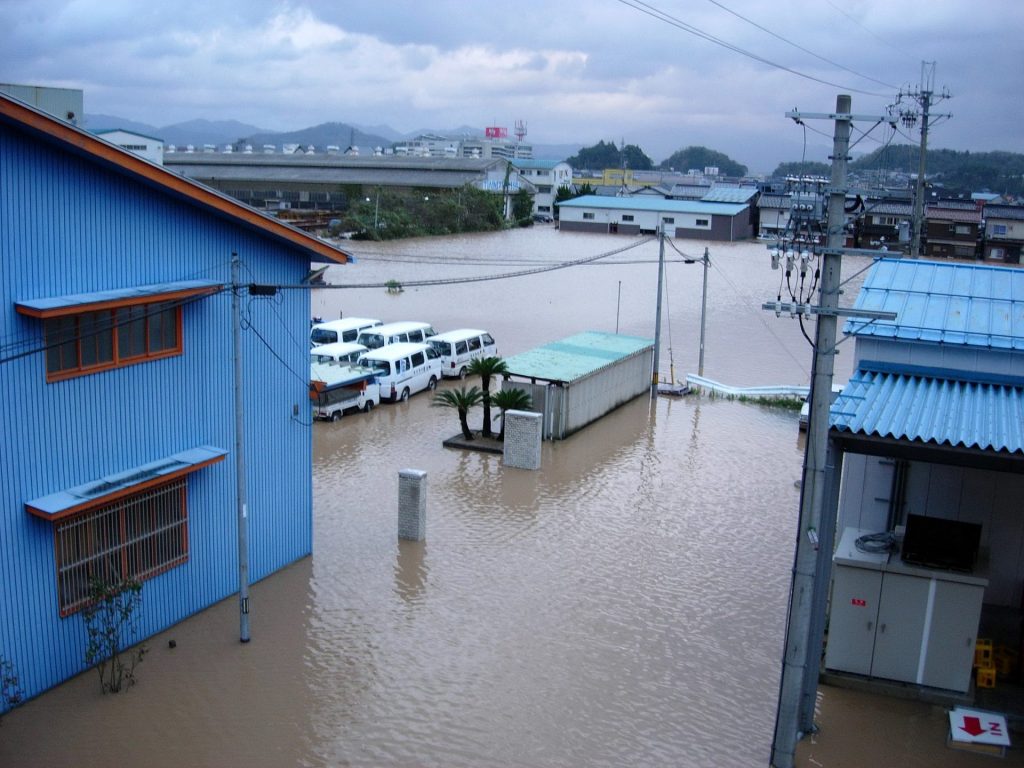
[243,512]
[703,311]
[657,316]
[796,662]
[816,524]
[924,95]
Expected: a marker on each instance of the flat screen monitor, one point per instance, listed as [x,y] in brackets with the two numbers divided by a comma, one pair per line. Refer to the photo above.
[937,543]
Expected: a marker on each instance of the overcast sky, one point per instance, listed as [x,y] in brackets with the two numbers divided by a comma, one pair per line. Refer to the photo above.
[575,72]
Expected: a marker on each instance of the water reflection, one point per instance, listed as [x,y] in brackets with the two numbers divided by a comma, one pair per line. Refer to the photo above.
[410,570]
[624,605]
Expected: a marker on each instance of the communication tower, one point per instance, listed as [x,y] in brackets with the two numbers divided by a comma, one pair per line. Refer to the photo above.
[520,130]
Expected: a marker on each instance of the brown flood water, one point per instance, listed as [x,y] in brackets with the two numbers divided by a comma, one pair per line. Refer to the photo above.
[625,605]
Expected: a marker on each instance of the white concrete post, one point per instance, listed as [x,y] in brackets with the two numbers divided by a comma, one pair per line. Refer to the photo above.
[412,504]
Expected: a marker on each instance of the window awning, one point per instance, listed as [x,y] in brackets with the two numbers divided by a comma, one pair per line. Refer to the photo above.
[930,409]
[72,304]
[111,487]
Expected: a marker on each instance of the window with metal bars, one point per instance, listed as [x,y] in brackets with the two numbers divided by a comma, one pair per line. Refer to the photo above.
[135,537]
[95,341]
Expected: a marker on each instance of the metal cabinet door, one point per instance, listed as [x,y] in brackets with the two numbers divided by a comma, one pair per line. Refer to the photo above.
[954,628]
[901,622]
[852,619]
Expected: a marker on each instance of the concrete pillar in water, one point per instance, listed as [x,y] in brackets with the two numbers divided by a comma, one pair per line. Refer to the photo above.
[412,504]
[524,433]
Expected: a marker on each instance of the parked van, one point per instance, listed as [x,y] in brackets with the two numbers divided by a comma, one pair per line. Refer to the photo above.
[335,389]
[458,348]
[346,329]
[338,352]
[403,369]
[395,333]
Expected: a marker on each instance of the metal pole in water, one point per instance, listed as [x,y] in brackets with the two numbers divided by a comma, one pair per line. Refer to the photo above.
[657,316]
[618,304]
[243,515]
[703,313]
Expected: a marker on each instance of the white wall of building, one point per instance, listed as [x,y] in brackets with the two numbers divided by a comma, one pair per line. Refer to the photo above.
[144,146]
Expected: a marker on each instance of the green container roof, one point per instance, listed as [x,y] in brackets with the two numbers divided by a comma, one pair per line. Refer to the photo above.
[575,357]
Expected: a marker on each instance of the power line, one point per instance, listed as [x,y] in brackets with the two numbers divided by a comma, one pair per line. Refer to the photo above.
[478,278]
[800,47]
[877,37]
[646,8]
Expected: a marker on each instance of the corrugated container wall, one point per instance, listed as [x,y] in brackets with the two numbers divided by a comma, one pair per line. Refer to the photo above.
[69,225]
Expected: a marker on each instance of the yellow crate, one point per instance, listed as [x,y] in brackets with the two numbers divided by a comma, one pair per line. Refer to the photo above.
[986,677]
[1005,660]
[983,654]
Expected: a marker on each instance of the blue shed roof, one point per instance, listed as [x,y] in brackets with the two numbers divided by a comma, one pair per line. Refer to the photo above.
[575,357]
[955,413]
[730,195]
[658,205]
[968,304]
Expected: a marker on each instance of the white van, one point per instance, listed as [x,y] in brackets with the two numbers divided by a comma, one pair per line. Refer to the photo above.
[395,333]
[345,329]
[458,348]
[335,389]
[338,352]
[403,369]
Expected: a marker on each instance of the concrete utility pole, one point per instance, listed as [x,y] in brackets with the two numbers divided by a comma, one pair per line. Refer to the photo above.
[924,97]
[796,662]
[243,512]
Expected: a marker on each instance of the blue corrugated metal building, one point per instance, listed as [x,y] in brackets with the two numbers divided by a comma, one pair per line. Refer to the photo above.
[929,427]
[117,382]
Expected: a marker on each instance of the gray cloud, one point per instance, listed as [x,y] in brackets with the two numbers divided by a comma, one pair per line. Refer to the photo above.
[577,72]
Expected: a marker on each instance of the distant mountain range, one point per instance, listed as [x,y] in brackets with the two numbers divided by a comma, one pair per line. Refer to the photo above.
[343,135]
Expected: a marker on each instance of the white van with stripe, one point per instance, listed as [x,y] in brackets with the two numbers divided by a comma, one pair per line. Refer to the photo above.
[345,329]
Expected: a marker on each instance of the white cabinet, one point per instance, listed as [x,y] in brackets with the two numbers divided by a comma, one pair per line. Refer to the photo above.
[900,622]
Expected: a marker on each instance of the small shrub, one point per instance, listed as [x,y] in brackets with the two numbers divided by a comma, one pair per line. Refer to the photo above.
[111,620]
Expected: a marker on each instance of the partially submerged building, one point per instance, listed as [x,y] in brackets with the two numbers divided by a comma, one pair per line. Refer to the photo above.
[728,221]
[928,437]
[118,457]
[577,380]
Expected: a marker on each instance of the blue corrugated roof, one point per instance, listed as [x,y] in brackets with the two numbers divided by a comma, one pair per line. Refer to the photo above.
[966,304]
[960,414]
[646,203]
[730,195]
[575,357]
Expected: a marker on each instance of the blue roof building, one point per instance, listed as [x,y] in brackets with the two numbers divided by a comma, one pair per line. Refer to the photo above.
[726,221]
[927,436]
[117,376]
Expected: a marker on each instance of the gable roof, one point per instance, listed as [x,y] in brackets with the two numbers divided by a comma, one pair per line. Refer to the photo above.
[730,195]
[1014,212]
[66,136]
[962,215]
[973,305]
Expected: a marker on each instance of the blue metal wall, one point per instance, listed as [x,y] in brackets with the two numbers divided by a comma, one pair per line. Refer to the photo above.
[70,225]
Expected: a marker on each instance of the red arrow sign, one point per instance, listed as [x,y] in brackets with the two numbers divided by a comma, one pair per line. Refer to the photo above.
[972,725]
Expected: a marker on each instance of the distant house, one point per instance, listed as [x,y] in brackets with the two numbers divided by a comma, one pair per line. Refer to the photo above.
[952,229]
[884,222]
[547,176]
[1004,233]
[774,212]
[118,457]
[646,215]
[147,147]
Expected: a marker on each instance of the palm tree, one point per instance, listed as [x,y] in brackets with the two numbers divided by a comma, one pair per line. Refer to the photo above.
[462,400]
[510,400]
[485,368]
